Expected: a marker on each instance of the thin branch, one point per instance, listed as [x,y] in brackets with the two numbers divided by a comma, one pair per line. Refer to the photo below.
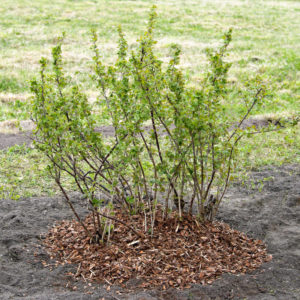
[246,115]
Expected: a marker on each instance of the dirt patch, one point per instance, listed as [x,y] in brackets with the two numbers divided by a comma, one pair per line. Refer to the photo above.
[272,215]
[10,139]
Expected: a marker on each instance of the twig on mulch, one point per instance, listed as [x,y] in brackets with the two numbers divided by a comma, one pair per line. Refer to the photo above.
[195,253]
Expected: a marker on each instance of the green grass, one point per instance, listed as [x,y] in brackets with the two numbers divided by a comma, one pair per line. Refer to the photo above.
[272,148]
[23,173]
[17,109]
[266,41]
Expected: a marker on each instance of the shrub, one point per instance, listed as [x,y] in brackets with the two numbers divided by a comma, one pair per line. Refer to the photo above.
[172,144]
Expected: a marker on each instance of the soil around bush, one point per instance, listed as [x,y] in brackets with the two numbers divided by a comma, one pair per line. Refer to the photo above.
[181,252]
[271,215]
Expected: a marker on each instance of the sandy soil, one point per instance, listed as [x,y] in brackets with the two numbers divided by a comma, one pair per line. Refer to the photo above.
[272,214]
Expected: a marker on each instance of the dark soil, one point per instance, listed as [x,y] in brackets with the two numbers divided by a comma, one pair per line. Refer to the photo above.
[272,215]
[8,140]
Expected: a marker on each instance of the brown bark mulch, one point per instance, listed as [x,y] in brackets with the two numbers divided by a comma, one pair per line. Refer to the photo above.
[179,254]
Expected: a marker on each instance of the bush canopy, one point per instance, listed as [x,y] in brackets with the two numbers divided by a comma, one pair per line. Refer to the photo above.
[173,146]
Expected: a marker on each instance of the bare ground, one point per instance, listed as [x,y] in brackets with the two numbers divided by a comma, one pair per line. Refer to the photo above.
[272,215]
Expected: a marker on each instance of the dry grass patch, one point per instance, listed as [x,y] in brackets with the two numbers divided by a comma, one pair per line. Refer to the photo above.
[16,126]
[11,97]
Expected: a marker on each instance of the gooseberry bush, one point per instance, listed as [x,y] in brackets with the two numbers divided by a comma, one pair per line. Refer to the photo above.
[174,147]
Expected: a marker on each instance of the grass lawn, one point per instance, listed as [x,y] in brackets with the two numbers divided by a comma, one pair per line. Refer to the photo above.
[266,41]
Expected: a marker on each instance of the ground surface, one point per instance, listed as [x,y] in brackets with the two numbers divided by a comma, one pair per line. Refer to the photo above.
[272,214]
[8,140]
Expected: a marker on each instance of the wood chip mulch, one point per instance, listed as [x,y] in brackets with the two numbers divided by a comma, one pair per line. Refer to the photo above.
[179,254]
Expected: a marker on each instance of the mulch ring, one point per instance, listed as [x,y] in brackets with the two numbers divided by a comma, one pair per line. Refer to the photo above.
[179,254]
